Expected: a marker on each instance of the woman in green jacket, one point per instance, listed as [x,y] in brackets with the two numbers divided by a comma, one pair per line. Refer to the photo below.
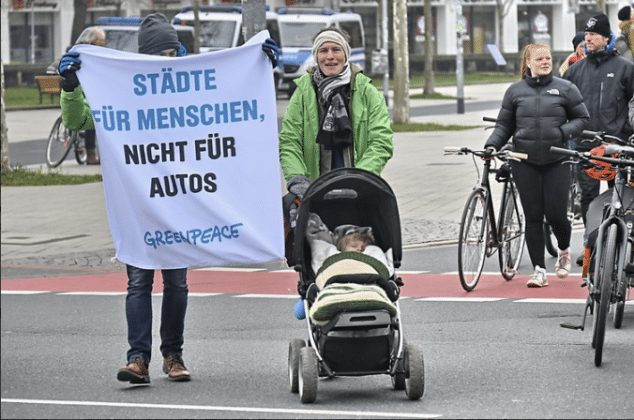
[334,119]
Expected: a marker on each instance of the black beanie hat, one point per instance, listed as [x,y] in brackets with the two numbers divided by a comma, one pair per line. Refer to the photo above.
[599,24]
[625,13]
[156,34]
[579,37]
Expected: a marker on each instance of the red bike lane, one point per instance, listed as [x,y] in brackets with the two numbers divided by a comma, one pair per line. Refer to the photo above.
[417,285]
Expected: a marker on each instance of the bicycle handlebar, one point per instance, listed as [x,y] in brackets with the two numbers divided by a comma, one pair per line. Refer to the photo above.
[588,157]
[502,154]
[489,119]
[601,136]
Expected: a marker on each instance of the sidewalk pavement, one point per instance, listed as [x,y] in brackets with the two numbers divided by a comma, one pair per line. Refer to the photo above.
[68,225]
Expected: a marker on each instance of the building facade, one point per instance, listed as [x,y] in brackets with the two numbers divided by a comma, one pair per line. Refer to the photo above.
[39,31]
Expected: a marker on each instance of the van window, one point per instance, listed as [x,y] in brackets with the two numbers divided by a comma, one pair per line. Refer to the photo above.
[354,30]
[122,40]
[299,34]
[274,30]
[217,34]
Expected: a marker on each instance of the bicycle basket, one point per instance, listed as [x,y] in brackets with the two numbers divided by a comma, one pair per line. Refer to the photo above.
[601,170]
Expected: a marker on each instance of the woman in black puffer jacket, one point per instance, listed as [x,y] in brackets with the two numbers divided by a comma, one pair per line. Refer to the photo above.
[541,111]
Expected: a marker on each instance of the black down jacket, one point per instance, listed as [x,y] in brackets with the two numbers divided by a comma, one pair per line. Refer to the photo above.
[540,112]
[606,82]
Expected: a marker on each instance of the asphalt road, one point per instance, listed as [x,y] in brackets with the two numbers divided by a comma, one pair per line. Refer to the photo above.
[485,356]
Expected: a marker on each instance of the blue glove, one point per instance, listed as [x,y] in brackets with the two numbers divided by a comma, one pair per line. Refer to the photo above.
[68,65]
[271,49]
[182,52]
[298,309]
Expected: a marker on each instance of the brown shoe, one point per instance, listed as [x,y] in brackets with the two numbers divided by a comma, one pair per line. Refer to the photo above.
[175,368]
[91,157]
[135,371]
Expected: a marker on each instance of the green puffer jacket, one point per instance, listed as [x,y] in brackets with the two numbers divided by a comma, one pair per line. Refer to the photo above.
[76,111]
[372,134]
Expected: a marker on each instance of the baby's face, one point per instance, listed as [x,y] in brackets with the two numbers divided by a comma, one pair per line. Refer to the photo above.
[355,245]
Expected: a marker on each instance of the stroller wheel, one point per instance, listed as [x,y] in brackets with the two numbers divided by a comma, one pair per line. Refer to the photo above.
[293,363]
[398,381]
[414,371]
[308,374]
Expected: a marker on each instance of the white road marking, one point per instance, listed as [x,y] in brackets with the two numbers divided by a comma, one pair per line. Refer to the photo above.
[549,300]
[459,299]
[23,292]
[302,412]
[92,293]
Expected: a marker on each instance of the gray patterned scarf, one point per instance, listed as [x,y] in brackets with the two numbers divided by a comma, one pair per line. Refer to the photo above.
[336,129]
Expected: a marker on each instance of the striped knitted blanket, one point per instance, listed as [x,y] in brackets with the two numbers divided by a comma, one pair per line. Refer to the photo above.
[349,297]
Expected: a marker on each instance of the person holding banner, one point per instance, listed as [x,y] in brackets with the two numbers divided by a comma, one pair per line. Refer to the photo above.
[156,37]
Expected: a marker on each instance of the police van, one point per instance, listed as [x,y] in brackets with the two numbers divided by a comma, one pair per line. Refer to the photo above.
[298,27]
[122,33]
[221,25]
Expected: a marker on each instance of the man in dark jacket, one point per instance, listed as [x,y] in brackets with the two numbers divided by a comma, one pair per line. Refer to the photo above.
[606,82]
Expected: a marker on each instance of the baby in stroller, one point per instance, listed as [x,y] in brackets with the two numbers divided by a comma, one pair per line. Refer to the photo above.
[347,246]
[368,271]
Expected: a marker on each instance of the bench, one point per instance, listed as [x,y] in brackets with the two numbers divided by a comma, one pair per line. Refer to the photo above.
[49,85]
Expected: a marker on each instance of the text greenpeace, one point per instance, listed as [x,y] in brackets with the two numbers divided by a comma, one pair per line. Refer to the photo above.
[189,155]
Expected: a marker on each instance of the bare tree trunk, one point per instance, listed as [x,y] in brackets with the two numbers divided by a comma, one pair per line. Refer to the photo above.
[500,16]
[196,27]
[6,163]
[601,5]
[401,63]
[429,51]
[79,20]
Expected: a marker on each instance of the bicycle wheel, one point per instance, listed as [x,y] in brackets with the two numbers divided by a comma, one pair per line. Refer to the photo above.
[60,141]
[607,266]
[619,307]
[512,228]
[80,148]
[472,243]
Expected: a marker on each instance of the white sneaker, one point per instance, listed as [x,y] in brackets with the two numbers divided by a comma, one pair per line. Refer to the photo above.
[563,264]
[539,278]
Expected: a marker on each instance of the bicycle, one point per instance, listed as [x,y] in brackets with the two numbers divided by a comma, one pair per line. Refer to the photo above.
[60,142]
[480,235]
[608,268]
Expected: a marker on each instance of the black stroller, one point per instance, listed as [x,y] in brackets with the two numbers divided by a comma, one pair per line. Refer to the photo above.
[358,342]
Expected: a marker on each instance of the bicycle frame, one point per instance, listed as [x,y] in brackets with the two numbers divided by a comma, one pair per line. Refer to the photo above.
[496,225]
[615,215]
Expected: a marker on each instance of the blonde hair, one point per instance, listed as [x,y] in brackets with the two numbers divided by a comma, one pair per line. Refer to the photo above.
[526,55]
[95,36]
[356,236]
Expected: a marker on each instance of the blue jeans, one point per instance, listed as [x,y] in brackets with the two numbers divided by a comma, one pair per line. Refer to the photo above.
[138,310]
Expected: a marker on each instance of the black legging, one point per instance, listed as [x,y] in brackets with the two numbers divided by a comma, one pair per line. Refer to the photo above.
[543,192]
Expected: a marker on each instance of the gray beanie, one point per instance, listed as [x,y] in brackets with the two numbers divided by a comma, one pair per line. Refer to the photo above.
[156,34]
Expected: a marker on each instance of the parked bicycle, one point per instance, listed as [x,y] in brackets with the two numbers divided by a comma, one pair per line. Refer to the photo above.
[481,234]
[608,268]
[60,142]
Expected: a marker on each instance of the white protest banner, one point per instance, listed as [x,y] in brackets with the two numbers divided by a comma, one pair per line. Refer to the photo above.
[189,155]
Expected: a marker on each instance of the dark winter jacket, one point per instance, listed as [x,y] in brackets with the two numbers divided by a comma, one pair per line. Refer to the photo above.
[540,113]
[606,82]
